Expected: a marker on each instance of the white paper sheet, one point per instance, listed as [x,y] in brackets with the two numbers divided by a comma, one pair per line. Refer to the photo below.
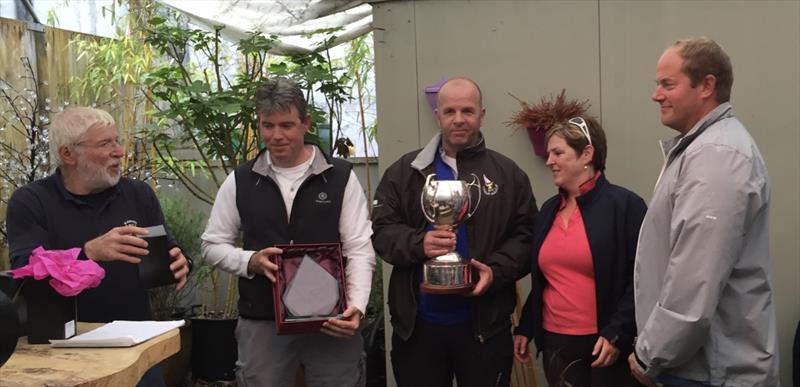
[120,334]
[312,292]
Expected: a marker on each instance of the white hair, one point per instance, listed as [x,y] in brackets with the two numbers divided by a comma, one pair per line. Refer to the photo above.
[71,124]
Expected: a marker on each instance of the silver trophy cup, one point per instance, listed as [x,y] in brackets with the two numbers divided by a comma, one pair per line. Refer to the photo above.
[448,202]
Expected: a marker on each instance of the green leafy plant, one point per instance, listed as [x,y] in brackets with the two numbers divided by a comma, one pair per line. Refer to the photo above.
[317,72]
[360,64]
[203,107]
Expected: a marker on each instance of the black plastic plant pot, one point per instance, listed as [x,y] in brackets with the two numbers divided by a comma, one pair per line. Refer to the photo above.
[9,334]
[214,352]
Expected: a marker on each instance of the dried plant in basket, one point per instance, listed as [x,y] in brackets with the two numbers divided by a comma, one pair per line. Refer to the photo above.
[539,118]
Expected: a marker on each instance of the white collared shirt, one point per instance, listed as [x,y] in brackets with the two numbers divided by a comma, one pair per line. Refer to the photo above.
[289,179]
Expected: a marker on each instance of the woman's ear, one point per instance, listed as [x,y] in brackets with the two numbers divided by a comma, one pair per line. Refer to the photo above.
[588,154]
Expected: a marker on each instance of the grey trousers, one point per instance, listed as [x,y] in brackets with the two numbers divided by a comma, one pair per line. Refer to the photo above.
[266,359]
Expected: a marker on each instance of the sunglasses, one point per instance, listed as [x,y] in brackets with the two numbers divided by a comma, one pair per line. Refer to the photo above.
[581,124]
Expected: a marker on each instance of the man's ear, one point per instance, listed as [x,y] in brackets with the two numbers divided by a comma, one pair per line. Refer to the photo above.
[708,86]
[68,155]
[437,117]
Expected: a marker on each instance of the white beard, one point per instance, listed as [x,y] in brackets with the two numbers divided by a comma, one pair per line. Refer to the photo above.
[96,176]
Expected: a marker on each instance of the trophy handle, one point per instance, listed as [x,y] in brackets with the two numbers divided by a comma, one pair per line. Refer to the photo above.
[422,198]
[476,182]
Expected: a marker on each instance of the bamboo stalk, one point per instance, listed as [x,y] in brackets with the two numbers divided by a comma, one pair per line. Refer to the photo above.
[364,137]
[229,313]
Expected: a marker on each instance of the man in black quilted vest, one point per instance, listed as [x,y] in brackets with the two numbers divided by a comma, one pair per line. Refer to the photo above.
[291,193]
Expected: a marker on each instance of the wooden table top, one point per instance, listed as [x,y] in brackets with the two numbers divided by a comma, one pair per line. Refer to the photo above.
[42,365]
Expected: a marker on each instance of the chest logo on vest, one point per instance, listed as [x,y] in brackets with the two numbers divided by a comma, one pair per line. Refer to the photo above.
[489,187]
[322,198]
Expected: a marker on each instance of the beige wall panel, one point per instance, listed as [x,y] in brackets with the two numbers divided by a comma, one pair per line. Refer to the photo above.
[763,41]
[17,42]
[12,33]
[396,55]
[59,62]
[397,104]
[508,47]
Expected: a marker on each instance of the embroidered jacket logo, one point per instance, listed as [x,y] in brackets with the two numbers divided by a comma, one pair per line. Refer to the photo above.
[489,187]
[322,198]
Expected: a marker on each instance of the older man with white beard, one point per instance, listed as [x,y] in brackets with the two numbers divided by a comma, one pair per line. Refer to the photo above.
[86,204]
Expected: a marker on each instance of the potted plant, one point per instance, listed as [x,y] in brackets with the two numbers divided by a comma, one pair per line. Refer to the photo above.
[538,118]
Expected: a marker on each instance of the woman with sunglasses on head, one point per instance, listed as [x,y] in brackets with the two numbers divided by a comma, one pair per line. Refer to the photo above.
[580,309]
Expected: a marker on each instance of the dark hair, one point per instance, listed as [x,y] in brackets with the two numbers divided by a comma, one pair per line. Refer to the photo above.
[279,95]
[703,56]
[576,140]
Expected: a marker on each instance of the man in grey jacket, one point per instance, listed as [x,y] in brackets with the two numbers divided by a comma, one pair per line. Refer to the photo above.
[704,307]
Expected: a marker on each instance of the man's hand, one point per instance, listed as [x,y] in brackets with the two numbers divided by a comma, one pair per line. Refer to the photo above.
[605,351]
[260,263]
[521,352]
[179,267]
[485,278]
[439,241]
[345,326]
[642,378]
[119,244]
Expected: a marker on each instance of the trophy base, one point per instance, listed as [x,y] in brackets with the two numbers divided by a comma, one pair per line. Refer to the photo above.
[446,289]
[445,275]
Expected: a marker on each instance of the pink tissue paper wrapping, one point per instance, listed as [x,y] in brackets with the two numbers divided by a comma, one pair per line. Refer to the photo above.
[69,275]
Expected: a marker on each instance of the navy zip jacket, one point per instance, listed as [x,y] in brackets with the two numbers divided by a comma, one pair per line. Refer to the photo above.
[612,216]
[44,213]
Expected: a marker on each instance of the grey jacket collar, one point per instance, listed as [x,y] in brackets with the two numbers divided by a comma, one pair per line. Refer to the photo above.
[426,156]
[263,164]
[680,142]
